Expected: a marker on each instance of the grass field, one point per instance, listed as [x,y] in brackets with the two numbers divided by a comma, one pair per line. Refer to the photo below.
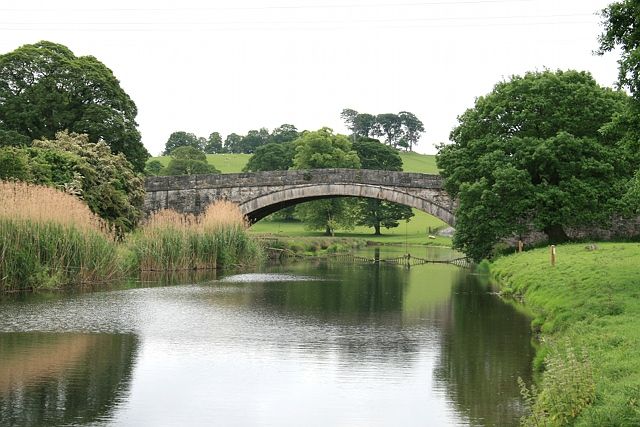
[414,232]
[232,163]
[587,305]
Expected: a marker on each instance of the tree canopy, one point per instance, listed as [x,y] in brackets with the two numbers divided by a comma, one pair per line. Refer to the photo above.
[400,130]
[318,150]
[271,157]
[188,160]
[45,88]
[534,151]
[373,212]
[183,139]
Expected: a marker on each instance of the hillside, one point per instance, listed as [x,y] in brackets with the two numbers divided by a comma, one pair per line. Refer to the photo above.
[230,163]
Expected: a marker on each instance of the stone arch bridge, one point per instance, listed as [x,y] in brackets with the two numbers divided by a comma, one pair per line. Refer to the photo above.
[262,193]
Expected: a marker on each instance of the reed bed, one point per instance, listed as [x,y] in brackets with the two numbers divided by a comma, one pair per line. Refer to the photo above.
[170,241]
[50,239]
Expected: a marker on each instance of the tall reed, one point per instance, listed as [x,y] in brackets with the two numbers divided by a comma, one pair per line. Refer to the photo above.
[172,241]
[49,239]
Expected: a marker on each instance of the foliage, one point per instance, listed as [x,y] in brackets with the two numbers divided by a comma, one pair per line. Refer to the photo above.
[154,168]
[213,144]
[104,180]
[621,23]
[45,89]
[324,149]
[318,150]
[173,241]
[284,133]
[183,139]
[400,130]
[90,171]
[589,300]
[188,160]
[50,239]
[568,387]
[372,212]
[534,152]
[271,157]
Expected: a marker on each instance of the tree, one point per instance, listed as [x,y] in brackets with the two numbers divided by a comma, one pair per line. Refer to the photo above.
[412,128]
[271,157]
[534,152]
[106,181]
[318,150]
[182,139]
[373,212]
[45,88]
[154,168]
[621,21]
[254,139]
[232,143]
[214,144]
[188,160]
[284,133]
[388,126]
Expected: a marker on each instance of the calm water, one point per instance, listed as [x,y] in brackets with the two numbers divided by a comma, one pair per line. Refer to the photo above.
[313,343]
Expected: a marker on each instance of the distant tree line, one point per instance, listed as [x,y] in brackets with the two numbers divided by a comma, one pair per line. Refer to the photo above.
[400,131]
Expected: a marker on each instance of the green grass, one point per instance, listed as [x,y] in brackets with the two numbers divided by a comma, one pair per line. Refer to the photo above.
[414,232]
[589,303]
[232,163]
[225,163]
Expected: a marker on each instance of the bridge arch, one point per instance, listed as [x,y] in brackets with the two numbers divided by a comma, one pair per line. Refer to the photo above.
[259,207]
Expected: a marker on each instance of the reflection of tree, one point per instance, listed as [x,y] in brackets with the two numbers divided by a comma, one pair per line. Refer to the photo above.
[51,379]
[486,345]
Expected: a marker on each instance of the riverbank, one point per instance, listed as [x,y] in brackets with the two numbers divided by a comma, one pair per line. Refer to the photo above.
[587,314]
[51,240]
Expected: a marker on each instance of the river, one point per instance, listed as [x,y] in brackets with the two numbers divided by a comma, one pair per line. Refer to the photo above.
[316,343]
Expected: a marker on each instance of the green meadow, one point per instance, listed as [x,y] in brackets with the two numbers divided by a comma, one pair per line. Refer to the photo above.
[587,312]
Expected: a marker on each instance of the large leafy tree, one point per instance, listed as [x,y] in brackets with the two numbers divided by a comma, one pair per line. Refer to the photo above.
[271,157]
[324,149]
[183,139]
[213,144]
[373,212]
[400,130]
[534,152]
[188,160]
[621,22]
[45,88]
[284,133]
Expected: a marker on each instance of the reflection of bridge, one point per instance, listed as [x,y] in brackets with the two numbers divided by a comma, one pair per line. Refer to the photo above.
[262,193]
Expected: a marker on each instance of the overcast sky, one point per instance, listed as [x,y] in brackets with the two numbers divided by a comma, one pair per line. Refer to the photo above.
[230,66]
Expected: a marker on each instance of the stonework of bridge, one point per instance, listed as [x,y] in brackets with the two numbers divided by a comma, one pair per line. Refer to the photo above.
[262,193]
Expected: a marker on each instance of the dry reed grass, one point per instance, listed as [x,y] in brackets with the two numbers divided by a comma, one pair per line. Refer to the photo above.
[40,204]
[220,214]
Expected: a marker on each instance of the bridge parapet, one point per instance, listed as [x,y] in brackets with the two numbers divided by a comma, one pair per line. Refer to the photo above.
[295,177]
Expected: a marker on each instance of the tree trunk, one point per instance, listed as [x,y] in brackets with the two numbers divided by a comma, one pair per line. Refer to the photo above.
[328,231]
[376,227]
[555,234]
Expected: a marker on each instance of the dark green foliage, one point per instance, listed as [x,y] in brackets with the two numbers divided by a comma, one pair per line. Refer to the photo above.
[154,168]
[271,157]
[284,133]
[188,160]
[104,180]
[13,138]
[14,164]
[213,144]
[232,143]
[372,212]
[318,150]
[45,89]
[183,139]
[400,130]
[535,151]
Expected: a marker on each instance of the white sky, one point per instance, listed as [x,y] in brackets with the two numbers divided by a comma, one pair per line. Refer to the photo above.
[230,66]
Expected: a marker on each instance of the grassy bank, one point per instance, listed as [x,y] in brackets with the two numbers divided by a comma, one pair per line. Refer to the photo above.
[587,310]
[50,239]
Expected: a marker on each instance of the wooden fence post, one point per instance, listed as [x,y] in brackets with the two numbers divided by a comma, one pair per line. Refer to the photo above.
[553,255]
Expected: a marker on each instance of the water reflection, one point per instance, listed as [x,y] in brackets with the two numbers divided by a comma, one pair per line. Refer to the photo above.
[485,347]
[51,379]
[320,343]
